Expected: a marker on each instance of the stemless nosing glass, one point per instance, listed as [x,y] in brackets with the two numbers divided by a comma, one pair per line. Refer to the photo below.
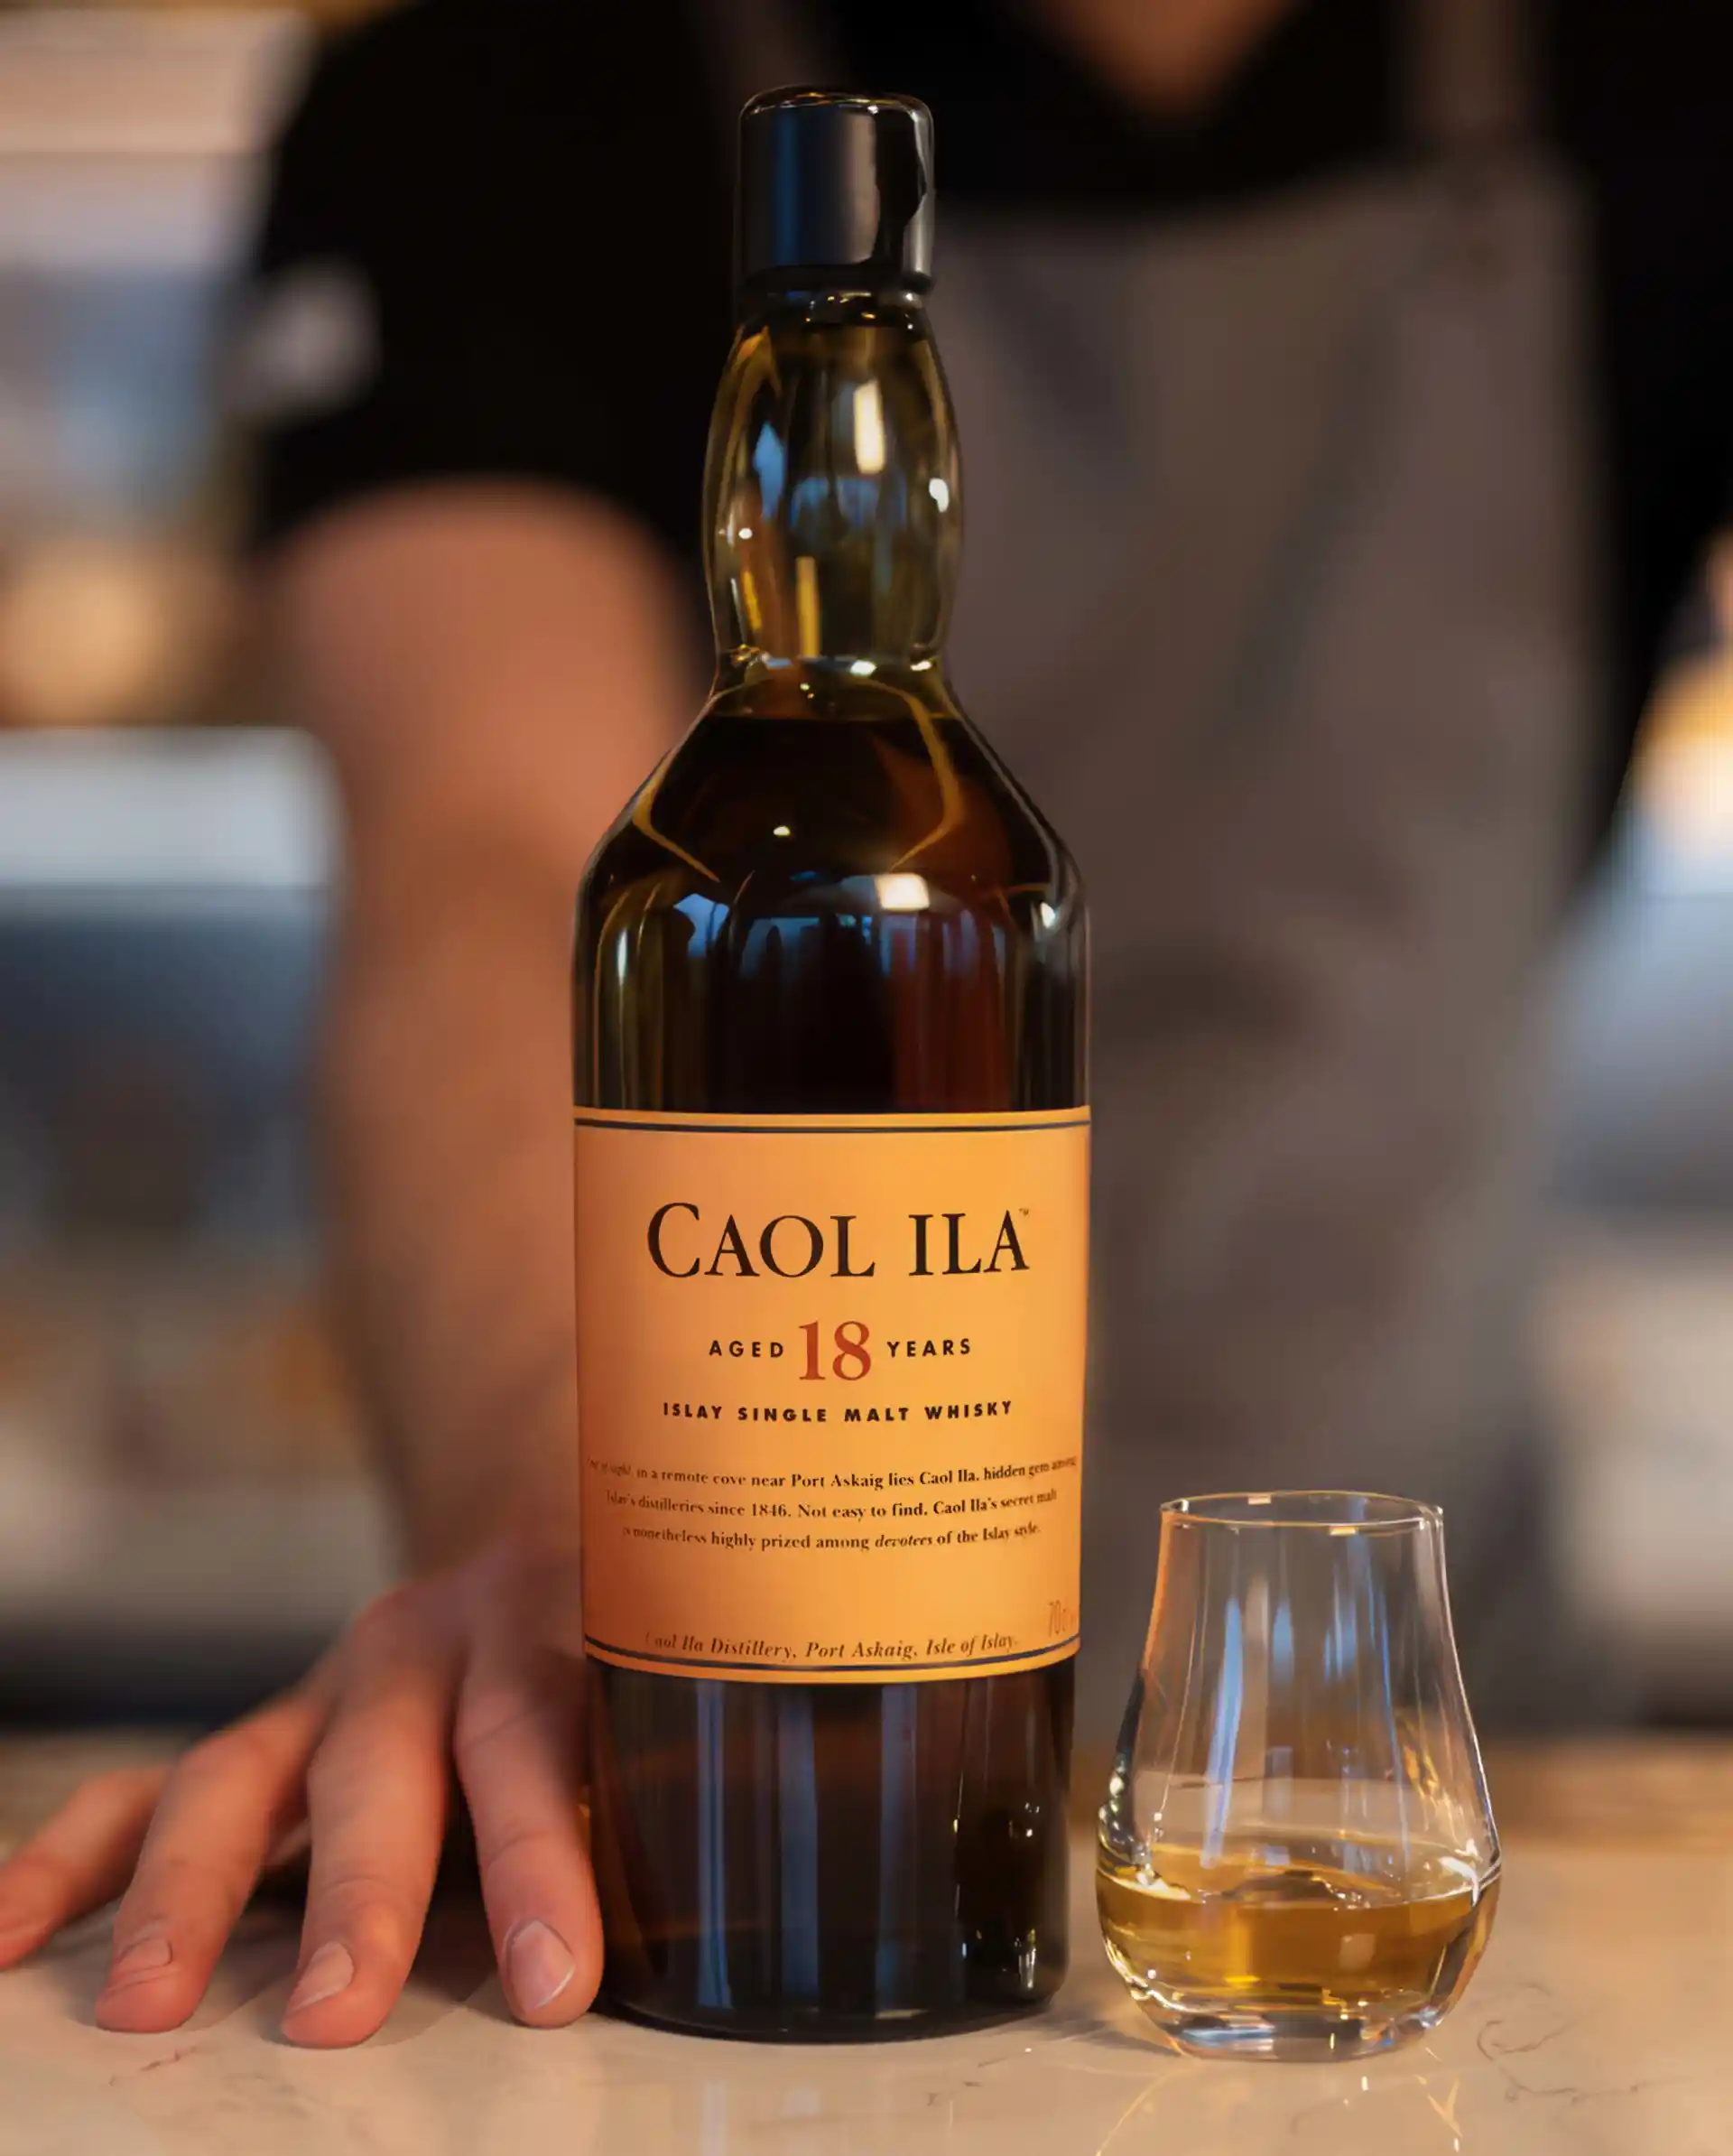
[1297,1857]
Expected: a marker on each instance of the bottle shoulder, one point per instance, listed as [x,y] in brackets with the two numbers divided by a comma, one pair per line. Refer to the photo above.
[848,909]
[869,800]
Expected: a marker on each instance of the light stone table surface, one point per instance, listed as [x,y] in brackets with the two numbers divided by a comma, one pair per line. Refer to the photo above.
[1601,2025]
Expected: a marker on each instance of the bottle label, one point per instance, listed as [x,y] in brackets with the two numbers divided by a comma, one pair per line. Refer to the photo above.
[831,1390]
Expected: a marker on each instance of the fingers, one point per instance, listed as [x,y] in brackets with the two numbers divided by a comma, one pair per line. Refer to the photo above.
[516,1743]
[217,1816]
[376,1795]
[361,1753]
[80,1859]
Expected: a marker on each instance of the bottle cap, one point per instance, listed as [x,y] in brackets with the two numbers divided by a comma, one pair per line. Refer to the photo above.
[835,186]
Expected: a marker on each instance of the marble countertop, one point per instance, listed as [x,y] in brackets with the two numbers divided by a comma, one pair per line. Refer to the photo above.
[1599,2025]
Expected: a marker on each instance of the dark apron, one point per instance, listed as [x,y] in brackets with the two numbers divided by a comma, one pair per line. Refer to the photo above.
[1276,597]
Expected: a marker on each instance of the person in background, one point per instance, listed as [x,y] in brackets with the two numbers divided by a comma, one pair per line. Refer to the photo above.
[1344,385]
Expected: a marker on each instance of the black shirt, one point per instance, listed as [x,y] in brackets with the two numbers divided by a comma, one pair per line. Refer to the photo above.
[536,195]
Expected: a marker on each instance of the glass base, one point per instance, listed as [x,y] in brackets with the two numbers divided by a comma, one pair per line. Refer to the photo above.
[1277,2032]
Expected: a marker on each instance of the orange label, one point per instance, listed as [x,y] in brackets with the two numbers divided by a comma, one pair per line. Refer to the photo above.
[831,1387]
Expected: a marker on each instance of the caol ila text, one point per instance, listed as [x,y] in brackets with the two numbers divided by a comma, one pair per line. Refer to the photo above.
[792,1246]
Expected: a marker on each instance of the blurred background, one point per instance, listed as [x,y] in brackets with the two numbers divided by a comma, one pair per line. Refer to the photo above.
[185,1509]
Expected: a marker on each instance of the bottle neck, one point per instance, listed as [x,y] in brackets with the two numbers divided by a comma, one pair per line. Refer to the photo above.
[832,503]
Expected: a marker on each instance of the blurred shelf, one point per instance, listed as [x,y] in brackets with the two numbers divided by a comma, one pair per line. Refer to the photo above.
[156,815]
[1642,1106]
[128,137]
[1636,1349]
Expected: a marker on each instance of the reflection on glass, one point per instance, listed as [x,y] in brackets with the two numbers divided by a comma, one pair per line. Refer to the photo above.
[1297,1857]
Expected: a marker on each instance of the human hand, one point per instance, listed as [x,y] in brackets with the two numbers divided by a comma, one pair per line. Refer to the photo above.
[474,1667]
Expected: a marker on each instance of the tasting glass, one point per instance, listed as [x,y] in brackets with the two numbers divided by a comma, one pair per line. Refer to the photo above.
[1297,1857]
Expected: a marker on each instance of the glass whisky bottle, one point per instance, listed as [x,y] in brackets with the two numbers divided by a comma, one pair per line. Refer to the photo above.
[832,918]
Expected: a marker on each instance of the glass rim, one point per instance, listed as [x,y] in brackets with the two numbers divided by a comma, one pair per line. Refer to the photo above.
[1334,1511]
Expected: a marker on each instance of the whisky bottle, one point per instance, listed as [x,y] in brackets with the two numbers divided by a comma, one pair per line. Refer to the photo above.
[831,1181]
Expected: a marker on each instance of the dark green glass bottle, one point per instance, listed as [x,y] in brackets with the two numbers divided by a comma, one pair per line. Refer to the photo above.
[831,1860]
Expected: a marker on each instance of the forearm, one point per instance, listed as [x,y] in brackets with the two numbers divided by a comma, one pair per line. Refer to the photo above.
[446,1109]
[494,675]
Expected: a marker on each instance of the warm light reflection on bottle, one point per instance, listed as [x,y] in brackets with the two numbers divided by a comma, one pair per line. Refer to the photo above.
[869,428]
[806,605]
[902,893]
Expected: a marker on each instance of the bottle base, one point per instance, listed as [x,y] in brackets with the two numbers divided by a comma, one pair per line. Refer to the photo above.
[772,2025]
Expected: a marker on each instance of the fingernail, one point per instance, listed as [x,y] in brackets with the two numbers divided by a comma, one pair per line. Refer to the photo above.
[331,1970]
[144,1957]
[539,1965]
